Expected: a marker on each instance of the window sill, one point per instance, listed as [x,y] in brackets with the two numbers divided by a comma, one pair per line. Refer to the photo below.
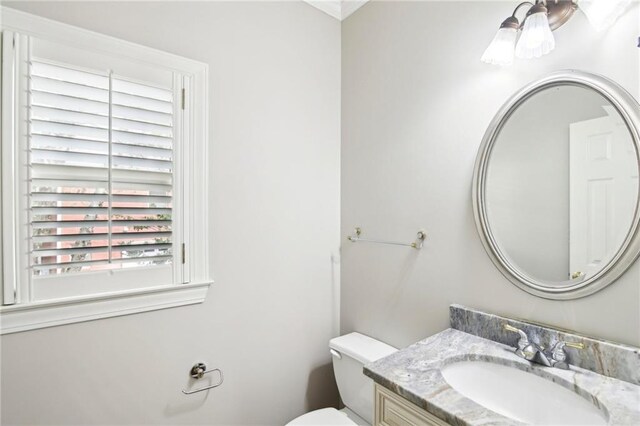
[31,316]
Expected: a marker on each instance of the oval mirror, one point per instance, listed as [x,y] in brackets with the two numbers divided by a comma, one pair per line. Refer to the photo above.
[556,192]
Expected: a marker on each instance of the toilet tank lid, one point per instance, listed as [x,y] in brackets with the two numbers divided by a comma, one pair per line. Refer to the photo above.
[362,348]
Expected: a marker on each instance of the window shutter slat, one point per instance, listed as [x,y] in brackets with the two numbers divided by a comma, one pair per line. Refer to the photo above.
[77,265]
[79,91]
[68,160]
[52,128]
[142,90]
[45,185]
[68,103]
[139,127]
[142,115]
[146,235]
[138,198]
[142,224]
[159,166]
[52,171]
[101,174]
[61,211]
[64,116]
[55,143]
[68,251]
[141,140]
[39,240]
[68,74]
[145,104]
[133,151]
[77,197]
[124,176]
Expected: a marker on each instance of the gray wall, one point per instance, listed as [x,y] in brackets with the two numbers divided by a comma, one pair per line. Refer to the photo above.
[416,102]
[275,138]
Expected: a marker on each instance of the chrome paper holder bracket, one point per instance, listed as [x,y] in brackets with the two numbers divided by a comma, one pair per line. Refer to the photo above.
[417,244]
[197,372]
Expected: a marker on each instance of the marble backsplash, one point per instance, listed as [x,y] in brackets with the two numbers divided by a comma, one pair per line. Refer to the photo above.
[607,358]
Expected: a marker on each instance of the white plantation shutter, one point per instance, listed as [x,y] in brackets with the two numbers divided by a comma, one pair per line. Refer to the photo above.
[103,176]
[101,154]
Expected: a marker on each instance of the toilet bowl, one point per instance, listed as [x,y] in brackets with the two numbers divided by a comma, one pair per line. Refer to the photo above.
[349,354]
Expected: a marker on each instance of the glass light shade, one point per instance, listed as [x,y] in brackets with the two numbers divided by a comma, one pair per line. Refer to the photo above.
[603,13]
[536,39]
[501,49]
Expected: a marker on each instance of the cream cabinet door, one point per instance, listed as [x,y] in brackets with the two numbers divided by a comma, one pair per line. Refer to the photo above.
[393,410]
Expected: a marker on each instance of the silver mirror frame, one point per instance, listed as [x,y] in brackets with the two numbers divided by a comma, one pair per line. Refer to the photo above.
[629,109]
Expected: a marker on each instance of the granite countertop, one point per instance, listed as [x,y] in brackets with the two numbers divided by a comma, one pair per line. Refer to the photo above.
[414,374]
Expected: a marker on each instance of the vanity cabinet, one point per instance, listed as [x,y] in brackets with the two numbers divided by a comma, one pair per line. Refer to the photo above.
[393,410]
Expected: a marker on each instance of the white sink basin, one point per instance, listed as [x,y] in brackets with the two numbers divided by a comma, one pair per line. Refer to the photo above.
[520,395]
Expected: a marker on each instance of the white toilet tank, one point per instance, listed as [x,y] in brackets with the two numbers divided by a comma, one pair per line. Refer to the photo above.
[350,352]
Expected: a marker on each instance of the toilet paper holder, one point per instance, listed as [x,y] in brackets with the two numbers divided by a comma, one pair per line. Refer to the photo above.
[197,372]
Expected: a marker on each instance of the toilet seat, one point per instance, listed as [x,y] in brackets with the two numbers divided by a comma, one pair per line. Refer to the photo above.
[328,417]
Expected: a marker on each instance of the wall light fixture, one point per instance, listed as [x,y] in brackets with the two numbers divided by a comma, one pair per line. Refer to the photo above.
[544,16]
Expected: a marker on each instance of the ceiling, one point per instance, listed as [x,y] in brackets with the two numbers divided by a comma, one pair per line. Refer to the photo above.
[339,9]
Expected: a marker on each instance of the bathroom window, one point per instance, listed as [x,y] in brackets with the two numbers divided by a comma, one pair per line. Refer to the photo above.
[103,171]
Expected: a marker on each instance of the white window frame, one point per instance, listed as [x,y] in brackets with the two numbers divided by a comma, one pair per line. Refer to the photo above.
[18,310]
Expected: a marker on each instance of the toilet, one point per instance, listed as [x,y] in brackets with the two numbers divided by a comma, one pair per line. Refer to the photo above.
[349,352]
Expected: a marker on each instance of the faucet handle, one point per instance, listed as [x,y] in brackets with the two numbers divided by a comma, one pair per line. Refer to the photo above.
[523,342]
[574,345]
[511,328]
[558,348]
[559,356]
[523,335]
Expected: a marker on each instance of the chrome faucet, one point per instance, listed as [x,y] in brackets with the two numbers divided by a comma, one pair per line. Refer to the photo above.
[556,357]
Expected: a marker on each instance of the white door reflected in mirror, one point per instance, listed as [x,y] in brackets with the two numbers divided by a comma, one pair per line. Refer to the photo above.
[603,185]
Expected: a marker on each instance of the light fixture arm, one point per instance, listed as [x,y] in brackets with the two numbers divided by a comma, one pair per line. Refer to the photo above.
[558,11]
[519,6]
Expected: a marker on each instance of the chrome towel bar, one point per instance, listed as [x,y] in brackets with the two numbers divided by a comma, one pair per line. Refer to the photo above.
[417,244]
[197,372]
